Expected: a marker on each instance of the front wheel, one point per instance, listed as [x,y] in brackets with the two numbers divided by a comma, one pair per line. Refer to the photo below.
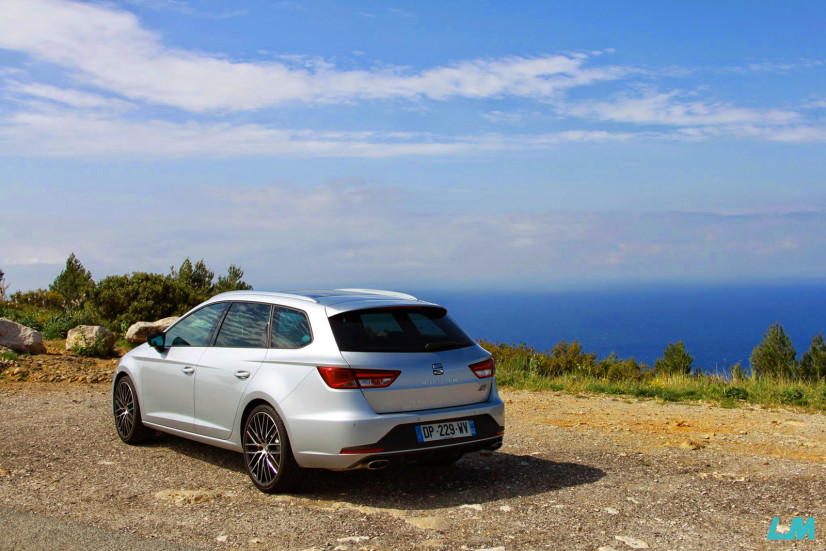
[267,452]
[127,413]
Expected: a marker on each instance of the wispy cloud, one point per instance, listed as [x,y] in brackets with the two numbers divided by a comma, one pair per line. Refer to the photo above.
[109,49]
[186,8]
[677,108]
[62,133]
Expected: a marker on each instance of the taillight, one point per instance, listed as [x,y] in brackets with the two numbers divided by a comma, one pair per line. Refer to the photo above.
[484,369]
[346,377]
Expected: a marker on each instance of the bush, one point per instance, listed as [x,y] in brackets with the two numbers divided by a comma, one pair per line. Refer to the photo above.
[96,349]
[775,356]
[737,373]
[123,300]
[792,396]
[675,360]
[736,393]
[57,326]
[813,363]
[39,298]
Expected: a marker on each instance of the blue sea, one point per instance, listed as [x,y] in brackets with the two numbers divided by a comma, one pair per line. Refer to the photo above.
[720,325]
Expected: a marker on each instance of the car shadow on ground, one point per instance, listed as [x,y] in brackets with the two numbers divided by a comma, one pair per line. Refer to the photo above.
[476,478]
[473,479]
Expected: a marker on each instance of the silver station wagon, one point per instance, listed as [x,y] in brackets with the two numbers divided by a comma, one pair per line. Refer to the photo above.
[332,379]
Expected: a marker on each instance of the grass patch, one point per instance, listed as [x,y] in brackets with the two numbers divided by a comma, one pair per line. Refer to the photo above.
[518,368]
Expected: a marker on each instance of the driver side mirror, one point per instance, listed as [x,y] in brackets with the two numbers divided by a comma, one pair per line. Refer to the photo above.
[157,341]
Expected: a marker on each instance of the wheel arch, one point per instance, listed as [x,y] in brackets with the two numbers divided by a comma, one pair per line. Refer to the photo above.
[248,409]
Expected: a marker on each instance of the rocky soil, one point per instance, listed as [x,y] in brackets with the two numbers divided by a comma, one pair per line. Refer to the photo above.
[576,472]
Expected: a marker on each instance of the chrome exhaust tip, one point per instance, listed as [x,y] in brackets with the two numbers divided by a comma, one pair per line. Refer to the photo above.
[378,464]
[495,446]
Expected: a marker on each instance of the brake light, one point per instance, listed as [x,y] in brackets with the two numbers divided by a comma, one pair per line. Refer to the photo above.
[346,377]
[484,369]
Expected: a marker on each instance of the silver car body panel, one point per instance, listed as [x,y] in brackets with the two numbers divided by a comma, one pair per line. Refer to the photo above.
[201,393]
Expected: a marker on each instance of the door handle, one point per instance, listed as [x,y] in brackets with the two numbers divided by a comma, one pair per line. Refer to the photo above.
[188,370]
[242,374]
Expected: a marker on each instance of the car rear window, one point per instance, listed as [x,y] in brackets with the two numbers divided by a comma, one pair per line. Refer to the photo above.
[398,329]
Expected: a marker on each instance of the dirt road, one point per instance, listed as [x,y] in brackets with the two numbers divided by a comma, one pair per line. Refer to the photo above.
[575,473]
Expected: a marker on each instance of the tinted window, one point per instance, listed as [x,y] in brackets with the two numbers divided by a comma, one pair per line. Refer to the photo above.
[414,329]
[195,329]
[290,329]
[245,326]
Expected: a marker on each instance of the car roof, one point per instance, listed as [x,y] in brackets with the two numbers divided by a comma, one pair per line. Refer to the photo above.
[339,299]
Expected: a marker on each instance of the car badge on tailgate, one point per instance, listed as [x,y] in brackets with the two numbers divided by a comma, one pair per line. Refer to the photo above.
[438,369]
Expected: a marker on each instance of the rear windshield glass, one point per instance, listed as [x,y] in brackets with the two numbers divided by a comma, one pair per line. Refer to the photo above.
[405,329]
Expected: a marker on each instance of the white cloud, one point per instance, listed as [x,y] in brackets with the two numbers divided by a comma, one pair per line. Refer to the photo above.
[109,49]
[69,97]
[676,109]
[52,132]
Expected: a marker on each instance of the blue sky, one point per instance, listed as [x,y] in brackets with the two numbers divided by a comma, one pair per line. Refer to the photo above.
[518,145]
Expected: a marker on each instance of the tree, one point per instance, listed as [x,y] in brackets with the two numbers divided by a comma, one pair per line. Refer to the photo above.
[3,286]
[775,356]
[197,278]
[813,362]
[675,360]
[233,281]
[75,282]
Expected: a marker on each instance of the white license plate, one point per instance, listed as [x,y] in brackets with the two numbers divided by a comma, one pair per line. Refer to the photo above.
[444,431]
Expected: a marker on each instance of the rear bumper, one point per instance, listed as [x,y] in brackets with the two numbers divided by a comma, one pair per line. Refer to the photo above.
[365,436]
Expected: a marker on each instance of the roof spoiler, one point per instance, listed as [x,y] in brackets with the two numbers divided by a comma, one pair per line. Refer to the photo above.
[393,294]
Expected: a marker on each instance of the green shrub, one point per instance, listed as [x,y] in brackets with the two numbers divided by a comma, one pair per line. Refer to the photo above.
[775,356]
[675,360]
[9,355]
[57,326]
[96,349]
[736,393]
[793,396]
[813,363]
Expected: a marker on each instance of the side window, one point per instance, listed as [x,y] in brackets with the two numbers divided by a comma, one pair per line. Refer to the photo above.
[290,329]
[245,326]
[195,329]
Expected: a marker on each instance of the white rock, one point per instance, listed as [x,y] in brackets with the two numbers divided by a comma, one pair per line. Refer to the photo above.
[20,338]
[506,508]
[633,543]
[611,511]
[474,506]
[353,539]
[87,335]
[138,332]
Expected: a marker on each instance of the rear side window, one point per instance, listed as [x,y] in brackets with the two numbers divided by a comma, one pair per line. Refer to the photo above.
[245,326]
[290,328]
[406,329]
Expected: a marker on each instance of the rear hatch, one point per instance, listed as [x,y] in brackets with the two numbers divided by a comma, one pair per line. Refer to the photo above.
[430,352]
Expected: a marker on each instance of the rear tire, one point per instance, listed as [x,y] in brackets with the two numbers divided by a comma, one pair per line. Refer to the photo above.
[268,455]
[127,413]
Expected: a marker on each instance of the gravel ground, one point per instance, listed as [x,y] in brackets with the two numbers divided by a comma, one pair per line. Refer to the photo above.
[575,473]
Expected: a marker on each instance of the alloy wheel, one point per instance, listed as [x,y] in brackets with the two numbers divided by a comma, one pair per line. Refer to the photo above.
[124,409]
[262,448]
